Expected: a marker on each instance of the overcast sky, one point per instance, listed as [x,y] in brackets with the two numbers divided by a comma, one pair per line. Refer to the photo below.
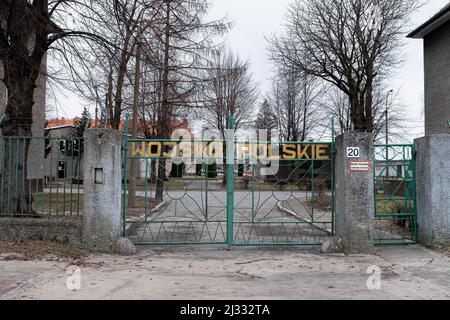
[256,19]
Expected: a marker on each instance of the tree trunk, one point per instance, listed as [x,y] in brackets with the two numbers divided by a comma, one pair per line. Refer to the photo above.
[357,113]
[16,196]
[368,106]
[165,106]
[109,104]
[133,162]
[22,61]
[124,58]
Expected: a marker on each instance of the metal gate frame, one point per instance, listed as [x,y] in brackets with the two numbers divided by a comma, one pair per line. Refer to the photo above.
[288,231]
[395,194]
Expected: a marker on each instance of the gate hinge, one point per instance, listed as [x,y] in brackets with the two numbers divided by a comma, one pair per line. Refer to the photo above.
[414,154]
[333,150]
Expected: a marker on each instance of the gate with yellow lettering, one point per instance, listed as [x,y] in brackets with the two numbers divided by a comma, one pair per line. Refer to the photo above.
[231,192]
[285,196]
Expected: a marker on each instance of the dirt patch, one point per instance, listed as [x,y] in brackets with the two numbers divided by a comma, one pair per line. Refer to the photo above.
[40,250]
[142,205]
[445,250]
[320,202]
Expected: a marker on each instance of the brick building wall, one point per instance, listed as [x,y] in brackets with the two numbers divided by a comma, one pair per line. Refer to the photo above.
[437,80]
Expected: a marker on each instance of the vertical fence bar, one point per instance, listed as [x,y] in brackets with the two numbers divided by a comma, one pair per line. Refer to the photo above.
[36,184]
[313,192]
[375,181]
[124,176]
[253,193]
[2,173]
[23,200]
[414,217]
[405,177]
[41,170]
[152,175]
[230,181]
[206,184]
[333,164]
[2,176]
[51,142]
[16,180]
[30,186]
[65,177]
[9,175]
[81,144]
[59,149]
[146,187]
[74,145]
[333,158]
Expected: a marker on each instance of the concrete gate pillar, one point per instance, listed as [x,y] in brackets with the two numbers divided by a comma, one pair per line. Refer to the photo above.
[354,195]
[102,184]
[433,189]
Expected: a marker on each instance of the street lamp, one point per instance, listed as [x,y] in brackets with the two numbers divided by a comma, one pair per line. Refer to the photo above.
[387,129]
[96,105]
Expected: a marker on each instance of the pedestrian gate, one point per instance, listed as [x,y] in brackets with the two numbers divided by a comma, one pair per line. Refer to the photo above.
[395,194]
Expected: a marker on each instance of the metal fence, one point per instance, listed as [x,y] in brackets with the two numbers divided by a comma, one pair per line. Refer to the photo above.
[41,176]
[395,194]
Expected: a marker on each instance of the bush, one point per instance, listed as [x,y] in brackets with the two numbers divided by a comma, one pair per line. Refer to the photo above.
[198,170]
[240,170]
[405,222]
[212,171]
[177,171]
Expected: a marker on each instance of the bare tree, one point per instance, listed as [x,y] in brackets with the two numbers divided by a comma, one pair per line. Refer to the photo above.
[294,99]
[231,91]
[349,43]
[28,29]
[177,51]
[103,74]
[266,120]
[337,107]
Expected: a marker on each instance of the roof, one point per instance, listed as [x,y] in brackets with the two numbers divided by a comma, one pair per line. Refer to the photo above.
[59,123]
[143,126]
[439,19]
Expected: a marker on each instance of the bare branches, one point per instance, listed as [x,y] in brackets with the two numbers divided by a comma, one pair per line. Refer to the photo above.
[348,43]
[295,100]
[230,91]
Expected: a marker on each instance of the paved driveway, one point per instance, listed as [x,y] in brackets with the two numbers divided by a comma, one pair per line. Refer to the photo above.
[212,272]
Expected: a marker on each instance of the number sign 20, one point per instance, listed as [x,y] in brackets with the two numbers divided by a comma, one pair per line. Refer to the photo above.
[353,152]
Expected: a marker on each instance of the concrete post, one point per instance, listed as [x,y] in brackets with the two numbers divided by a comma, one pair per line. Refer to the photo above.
[433,188]
[354,202]
[102,182]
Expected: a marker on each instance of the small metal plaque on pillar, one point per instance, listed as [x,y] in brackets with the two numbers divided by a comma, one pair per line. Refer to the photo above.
[359,166]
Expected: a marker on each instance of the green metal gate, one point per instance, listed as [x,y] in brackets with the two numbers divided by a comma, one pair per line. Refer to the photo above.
[231,192]
[395,194]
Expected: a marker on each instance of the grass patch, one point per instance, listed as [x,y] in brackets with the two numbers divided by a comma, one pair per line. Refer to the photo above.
[58,203]
[393,205]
